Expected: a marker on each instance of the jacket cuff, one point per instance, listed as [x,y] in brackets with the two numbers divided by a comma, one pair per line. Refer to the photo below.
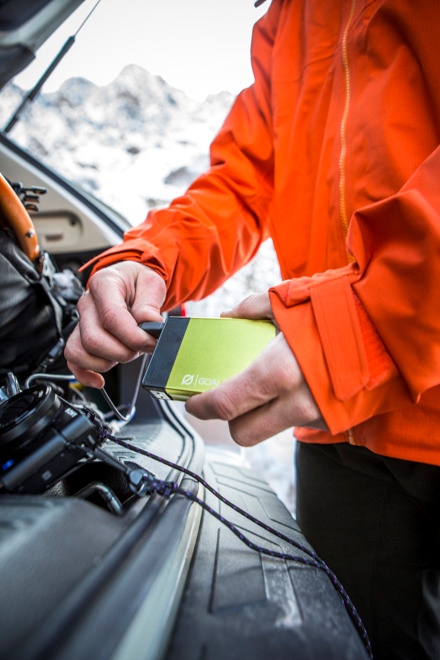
[127,251]
[347,368]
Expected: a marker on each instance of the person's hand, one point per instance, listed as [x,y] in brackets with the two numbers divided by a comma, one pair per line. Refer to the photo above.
[271,395]
[118,298]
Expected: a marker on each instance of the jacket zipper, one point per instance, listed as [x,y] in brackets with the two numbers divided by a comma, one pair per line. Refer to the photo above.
[343,139]
[343,126]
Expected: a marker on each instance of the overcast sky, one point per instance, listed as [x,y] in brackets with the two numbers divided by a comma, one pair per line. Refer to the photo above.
[199,46]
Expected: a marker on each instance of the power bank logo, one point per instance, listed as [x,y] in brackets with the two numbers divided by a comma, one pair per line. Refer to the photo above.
[194,380]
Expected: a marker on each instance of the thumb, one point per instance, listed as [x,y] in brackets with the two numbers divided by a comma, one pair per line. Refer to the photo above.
[255,306]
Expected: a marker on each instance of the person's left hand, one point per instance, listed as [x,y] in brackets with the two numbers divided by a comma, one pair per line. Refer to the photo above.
[271,395]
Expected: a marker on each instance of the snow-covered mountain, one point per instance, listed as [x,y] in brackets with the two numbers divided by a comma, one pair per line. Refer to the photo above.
[135,143]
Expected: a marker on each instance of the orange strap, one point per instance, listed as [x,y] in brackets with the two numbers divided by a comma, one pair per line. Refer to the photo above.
[18,219]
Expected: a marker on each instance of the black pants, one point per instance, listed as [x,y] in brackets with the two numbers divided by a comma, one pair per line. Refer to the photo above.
[376,522]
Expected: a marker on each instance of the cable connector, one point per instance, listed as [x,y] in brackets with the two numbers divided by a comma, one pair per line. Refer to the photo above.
[141,482]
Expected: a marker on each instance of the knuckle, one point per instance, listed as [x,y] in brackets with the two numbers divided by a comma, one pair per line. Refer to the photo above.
[70,352]
[97,277]
[225,406]
[307,411]
[242,435]
[83,302]
[286,376]
[109,317]
[72,349]
[89,341]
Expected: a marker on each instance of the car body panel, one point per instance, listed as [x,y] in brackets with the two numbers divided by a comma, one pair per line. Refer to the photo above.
[24,26]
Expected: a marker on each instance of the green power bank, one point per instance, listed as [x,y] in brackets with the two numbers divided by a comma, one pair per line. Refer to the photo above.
[193,355]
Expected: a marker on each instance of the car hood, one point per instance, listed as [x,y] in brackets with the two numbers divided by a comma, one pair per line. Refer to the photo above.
[24,27]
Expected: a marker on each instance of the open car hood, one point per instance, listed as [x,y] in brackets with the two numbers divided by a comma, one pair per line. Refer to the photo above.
[24,27]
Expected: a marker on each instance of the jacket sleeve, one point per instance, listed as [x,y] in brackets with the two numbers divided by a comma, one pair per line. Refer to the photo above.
[217,226]
[367,336]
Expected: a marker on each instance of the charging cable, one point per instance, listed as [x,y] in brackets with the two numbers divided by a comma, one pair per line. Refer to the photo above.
[144,483]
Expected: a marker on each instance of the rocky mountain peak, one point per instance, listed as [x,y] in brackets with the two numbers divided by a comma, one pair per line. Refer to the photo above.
[138,128]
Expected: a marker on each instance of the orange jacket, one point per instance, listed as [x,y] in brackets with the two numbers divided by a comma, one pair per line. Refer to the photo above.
[334,153]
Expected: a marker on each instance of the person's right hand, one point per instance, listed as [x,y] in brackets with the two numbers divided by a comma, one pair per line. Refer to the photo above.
[118,299]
